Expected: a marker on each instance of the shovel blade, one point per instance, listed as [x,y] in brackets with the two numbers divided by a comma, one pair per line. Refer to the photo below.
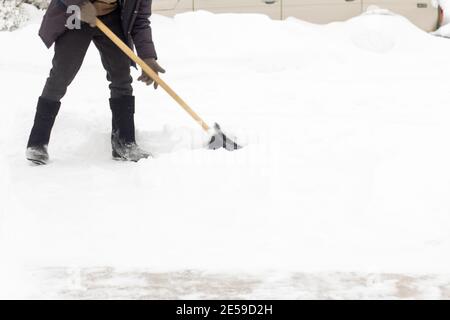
[220,140]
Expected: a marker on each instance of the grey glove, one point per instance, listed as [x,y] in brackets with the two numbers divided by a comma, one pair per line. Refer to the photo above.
[151,62]
[88,13]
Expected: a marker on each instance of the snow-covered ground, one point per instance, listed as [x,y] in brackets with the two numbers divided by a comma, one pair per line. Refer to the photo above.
[112,283]
[346,167]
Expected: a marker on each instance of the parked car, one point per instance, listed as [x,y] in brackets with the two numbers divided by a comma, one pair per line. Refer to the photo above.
[420,12]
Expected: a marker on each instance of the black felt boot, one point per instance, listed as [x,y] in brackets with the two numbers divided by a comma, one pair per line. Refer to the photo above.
[123,139]
[44,119]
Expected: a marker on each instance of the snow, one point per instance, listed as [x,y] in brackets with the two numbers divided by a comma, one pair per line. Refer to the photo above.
[345,169]
[444,30]
[112,283]
[12,16]
[445,6]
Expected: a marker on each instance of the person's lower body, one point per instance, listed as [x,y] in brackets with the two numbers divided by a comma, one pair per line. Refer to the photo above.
[46,113]
[70,51]
[123,141]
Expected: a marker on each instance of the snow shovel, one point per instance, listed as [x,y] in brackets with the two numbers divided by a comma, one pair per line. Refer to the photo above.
[218,138]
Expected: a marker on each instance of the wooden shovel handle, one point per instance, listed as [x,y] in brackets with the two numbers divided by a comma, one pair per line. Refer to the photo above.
[149,71]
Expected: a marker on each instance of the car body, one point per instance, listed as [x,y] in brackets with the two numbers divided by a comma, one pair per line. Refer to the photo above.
[420,12]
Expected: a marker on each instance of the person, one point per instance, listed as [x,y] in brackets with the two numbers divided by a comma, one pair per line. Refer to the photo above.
[129,20]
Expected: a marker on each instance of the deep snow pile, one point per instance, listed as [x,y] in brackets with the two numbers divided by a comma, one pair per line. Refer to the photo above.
[12,15]
[41,4]
[346,167]
[15,13]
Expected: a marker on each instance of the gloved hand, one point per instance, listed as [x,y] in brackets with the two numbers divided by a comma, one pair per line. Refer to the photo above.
[151,62]
[88,13]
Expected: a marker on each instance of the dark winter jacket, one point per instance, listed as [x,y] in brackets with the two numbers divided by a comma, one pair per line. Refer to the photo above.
[135,15]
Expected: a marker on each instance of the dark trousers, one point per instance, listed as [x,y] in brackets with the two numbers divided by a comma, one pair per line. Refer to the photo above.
[70,50]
